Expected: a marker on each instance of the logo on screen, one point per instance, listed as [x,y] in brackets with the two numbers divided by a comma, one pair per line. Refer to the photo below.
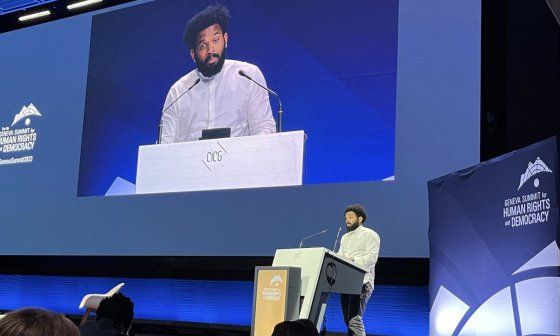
[17,143]
[25,113]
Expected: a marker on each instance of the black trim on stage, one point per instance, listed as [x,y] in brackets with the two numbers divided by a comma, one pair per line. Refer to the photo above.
[389,271]
[520,75]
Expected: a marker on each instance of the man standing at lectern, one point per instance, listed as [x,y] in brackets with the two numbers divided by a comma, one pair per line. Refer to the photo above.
[361,245]
[215,95]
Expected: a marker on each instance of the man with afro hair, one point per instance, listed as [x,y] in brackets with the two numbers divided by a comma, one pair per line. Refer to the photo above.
[215,95]
[361,245]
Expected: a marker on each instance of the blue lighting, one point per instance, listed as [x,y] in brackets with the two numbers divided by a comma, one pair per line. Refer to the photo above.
[9,6]
[393,310]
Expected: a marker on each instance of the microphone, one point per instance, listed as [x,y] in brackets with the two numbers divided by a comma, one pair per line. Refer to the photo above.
[336,240]
[172,103]
[311,236]
[280,111]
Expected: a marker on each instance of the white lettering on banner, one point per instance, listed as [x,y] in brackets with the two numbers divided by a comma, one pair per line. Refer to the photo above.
[271,294]
[19,139]
[539,217]
[526,210]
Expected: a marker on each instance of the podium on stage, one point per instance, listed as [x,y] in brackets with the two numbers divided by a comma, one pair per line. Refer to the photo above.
[276,297]
[322,272]
[268,160]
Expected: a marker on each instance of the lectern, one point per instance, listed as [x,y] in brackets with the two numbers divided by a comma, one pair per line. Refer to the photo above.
[322,272]
[268,160]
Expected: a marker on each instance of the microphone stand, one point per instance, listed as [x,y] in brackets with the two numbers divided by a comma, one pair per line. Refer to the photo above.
[311,236]
[280,110]
[168,106]
[336,241]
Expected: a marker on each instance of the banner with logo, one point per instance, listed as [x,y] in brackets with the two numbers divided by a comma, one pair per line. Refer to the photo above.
[18,137]
[270,300]
[494,256]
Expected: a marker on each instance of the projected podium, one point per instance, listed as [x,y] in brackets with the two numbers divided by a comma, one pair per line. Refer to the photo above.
[322,272]
[269,160]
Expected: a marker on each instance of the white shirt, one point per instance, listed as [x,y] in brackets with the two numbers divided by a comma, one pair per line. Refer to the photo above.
[362,246]
[224,100]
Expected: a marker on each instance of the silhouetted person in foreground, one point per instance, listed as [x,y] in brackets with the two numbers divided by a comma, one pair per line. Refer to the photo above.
[36,322]
[295,328]
[114,317]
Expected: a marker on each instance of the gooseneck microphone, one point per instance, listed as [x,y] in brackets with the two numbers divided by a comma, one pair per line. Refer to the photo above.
[280,111]
[311,236]
[172,103]
[336,241]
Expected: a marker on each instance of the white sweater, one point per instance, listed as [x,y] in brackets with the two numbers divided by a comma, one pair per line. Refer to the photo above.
[362,246]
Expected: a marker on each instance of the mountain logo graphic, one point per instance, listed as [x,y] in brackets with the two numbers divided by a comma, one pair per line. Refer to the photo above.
[533,169]
[25,113]
[275,280]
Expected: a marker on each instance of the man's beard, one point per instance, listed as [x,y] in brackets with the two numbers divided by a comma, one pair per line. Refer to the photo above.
[211,70]
[352,227]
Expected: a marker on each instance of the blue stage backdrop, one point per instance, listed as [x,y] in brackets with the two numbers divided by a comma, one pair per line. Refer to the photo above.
[494,256]
[335,71]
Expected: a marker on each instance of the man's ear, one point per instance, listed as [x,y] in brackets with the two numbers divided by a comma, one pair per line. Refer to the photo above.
[192,55]
[360,219]
[225,38]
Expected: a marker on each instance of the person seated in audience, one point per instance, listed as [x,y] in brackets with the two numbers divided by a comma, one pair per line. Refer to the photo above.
[114,317]
[300,327]
[36,322]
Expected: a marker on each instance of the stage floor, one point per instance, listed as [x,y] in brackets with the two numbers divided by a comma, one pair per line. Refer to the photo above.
[211,307]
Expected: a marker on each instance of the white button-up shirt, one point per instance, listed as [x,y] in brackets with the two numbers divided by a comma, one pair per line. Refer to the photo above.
[224,100]
[362,246]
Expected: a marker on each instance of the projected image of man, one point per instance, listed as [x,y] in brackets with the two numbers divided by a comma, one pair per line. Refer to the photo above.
[361,245]
[214,95]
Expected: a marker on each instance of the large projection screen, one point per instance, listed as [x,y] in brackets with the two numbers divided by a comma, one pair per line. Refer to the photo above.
[431,128]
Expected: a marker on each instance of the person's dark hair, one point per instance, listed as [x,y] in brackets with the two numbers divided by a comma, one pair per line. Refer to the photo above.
[295,328]
[310,328]
[117,308]
[212,14]
[358,209]
[37,322]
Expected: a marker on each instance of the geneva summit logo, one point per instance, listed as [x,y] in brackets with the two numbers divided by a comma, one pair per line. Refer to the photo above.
[533,169]
[530,208]
[26,112]
[272,292]
[17,143]
[277,279]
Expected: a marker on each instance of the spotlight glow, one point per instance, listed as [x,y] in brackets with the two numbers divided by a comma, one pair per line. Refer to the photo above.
[83,4]
[34,16]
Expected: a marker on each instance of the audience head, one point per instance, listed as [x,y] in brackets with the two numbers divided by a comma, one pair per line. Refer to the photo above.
[295,328]
[36,322]
[119,309]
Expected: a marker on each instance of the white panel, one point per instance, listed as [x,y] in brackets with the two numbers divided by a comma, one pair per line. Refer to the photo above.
[310,261]
[121,186]
[269,160]
[539,306]
[446,313]
[494,317]
[549,256]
